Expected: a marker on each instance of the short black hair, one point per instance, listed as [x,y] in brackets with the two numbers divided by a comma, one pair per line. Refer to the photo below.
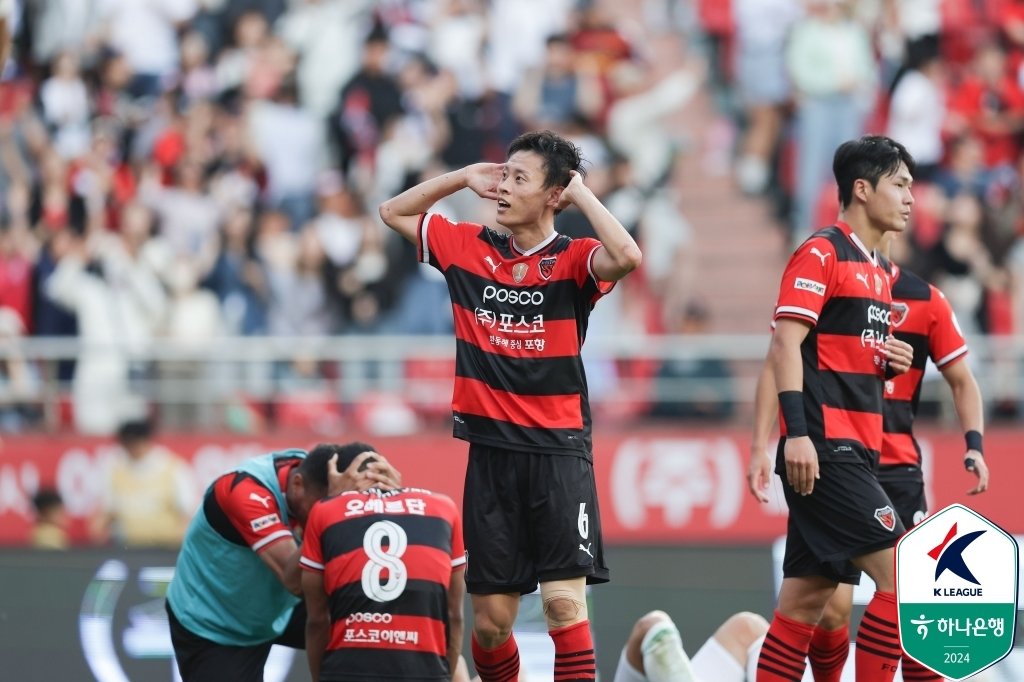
[314,467]
[870,158]
[135,430]
[560,155]
[45,500]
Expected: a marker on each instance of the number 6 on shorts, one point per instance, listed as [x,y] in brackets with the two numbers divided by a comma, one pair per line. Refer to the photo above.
[583,522]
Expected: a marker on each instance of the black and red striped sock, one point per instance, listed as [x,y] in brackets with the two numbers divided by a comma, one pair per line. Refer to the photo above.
[574,652]
[915,672]
[500,664]
[828,653]
[784,652]
[878,640]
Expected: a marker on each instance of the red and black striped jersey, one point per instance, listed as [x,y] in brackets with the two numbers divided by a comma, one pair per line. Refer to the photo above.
[922,317]
[520,322]
[834,283]
[387,559]
[245,512]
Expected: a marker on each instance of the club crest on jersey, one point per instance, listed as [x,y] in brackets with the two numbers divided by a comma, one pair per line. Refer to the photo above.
[878,285]
[899,313]
[886,516]
[519,271]
[546,266]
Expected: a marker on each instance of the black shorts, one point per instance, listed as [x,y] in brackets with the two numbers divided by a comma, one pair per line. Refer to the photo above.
[846,516]
[529,518]
[200,660]
[905,487]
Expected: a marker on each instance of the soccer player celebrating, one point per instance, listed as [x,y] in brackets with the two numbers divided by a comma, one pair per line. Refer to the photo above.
[383,583]
[830,354]
[521,300]
[235,586]
[922,318]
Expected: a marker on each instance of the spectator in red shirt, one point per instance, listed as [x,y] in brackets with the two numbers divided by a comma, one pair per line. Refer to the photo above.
[990,104]
[16,273]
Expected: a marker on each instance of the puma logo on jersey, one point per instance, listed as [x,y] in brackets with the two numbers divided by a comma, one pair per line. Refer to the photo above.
[864,279]
[265,501]
[494,266]
[587,549]
[821,256]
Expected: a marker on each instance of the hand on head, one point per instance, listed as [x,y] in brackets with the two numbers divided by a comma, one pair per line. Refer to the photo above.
[368,470]
[572,190]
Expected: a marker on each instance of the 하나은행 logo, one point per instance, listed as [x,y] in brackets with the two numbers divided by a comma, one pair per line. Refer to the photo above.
[956,589]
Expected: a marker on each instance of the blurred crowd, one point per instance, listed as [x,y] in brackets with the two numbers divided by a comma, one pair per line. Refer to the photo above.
[944,77]
[194,169]
[190,170]
[145,496]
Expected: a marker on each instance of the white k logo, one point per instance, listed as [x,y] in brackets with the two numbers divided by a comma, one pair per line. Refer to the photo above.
[821,256]
[494,266]
[265,501]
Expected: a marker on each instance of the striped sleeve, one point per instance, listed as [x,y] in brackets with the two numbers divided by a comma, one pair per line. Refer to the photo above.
[312,558]
[440,241]
[808,281]
[458,548]
[946,343]
[582,252]
[251,509]
[422,243]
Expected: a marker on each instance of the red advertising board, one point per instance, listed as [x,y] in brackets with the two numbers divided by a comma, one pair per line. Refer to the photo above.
[656,486]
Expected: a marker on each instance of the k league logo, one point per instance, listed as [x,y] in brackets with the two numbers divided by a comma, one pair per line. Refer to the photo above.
[956,586]
[950,557]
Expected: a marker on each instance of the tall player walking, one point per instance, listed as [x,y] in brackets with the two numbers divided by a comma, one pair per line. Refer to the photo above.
[521,300]
[922,318]
[830,353]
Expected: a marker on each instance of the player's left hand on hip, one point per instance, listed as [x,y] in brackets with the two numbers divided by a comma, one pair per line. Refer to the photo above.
[975,462]
[899,355]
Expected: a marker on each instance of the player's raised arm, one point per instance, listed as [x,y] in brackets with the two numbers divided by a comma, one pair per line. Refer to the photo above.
[620,255]
[402,213]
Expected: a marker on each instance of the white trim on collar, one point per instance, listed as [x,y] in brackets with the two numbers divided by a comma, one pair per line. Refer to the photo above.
[860,245]
[512,243]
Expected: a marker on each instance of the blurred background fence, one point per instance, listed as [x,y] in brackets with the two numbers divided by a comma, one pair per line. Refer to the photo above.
[400,384]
